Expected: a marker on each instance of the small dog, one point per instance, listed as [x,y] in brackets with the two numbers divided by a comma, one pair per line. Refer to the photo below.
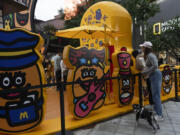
[145,113]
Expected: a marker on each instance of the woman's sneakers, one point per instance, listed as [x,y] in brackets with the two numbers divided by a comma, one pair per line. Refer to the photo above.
[159,118]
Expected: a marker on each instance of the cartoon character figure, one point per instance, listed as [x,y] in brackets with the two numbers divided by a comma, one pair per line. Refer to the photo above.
[167,80]
[9,21]
[85,64]
[124,60]
[98,14]
[7,25]
[23,19]
[125,85]
[89,19]
[20,67]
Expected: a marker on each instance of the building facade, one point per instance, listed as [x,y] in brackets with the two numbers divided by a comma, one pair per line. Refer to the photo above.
[169,10]
[51,46]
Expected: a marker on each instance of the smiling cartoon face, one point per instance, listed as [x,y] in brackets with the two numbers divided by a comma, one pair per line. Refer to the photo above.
[125,90]
[88,95]
[166,80]
[20,110]
[24,19]
[125,83]
[124,60]
[86,73]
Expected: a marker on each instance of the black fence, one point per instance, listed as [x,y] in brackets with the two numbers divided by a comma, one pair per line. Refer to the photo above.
[62,86]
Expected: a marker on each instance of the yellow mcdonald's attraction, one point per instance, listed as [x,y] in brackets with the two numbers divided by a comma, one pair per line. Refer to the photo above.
[98,57]
[106,55]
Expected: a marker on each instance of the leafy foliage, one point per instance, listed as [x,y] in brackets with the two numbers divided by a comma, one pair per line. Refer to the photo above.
[50,30]
[140,10]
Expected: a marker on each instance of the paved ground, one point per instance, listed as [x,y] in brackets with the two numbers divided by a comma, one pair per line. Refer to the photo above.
[125,125]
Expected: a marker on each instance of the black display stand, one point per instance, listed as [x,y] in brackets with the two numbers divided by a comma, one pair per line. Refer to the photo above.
[140,90]
[176,99]
[63,129]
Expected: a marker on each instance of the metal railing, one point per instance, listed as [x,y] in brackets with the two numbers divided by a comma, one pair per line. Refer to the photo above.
[63,84]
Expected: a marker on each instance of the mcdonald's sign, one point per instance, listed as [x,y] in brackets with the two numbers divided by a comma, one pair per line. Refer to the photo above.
[23,115]
[157,29]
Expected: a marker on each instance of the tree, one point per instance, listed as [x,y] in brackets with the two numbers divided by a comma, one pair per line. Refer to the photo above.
[50,30]
[140,10]
[73,22]
[168,40]
[81,9]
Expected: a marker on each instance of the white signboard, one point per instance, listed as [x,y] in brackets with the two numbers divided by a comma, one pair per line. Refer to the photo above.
[166,25]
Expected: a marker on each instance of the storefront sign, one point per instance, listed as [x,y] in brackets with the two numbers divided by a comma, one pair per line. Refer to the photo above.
[157,29]
[162,27]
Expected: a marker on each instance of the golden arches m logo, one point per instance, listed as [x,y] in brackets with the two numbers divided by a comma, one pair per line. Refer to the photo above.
[23,115]
[157,29]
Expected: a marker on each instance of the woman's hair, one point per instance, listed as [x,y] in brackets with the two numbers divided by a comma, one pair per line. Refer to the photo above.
[147,51]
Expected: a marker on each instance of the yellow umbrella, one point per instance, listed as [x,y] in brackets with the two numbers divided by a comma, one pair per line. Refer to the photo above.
[88,31]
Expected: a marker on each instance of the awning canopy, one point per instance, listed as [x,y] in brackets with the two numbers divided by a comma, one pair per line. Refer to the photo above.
[88,31]
[11,6]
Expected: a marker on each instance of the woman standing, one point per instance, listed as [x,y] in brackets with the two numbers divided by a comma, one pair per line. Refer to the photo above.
[155,77]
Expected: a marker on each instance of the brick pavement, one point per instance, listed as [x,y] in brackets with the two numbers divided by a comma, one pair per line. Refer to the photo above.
[125,125]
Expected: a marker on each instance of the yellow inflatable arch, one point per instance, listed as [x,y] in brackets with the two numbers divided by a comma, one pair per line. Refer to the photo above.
[118,44]
[113,16]
[115,60]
